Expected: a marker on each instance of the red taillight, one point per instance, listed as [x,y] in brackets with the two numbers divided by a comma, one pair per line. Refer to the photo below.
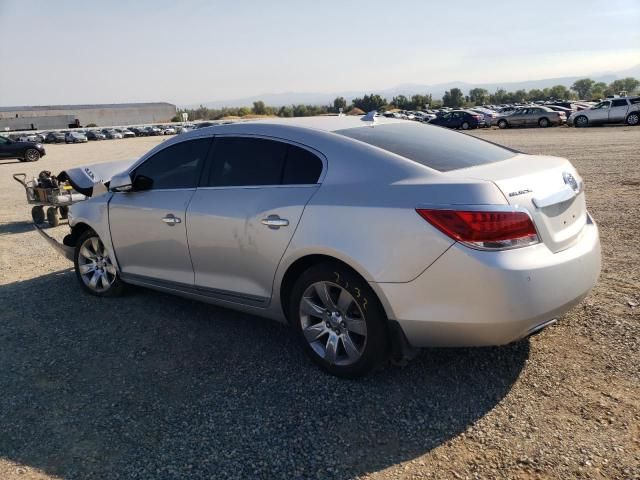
[484,229]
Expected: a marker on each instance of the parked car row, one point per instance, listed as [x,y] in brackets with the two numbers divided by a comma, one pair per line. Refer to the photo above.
[537,114]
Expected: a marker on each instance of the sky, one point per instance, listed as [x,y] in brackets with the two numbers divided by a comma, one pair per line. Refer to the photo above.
[191,51]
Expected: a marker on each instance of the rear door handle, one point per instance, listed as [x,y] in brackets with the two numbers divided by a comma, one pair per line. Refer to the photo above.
[170,219]
[275,222]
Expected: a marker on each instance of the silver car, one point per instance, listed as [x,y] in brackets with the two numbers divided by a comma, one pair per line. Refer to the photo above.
[370,239]
[614,110]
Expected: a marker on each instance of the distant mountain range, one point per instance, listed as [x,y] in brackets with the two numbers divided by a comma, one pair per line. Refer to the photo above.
[437,90]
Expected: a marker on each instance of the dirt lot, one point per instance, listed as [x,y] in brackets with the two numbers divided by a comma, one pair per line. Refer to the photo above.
[152,386]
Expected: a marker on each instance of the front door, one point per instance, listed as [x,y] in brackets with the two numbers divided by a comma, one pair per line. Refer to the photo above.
[241,220]
[148,224]
[599,113]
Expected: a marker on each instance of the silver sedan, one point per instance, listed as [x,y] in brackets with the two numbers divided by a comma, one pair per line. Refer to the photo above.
[370,238]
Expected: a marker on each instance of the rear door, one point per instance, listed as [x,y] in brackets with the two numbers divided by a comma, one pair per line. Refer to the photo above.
[243,216]
[618,110]
[148,226]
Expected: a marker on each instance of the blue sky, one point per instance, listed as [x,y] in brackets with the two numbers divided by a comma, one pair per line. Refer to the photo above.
[188,51]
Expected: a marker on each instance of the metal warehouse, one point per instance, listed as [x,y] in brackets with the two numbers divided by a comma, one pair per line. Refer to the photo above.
[64,116]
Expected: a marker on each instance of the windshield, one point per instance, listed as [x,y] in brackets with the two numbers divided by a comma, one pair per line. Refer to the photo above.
[431,146]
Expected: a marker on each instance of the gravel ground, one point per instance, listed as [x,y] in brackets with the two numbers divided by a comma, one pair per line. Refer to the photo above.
[153,386]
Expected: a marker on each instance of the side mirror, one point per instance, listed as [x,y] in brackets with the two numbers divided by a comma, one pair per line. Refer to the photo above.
[141,182]
[120,183]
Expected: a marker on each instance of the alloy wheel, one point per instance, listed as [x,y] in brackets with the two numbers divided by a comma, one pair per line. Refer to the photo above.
[633,119]
[32,155]
[333,323]
[95,267]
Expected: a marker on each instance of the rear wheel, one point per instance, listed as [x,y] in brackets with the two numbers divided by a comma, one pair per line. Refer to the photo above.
[633,119]
[502,124]
[37,214]
[94,268]
[581,121]
[339,320]
[465,125]
[31,155]
[543,122]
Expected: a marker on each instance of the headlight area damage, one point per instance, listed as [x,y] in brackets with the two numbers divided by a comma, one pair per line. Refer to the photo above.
[89,181]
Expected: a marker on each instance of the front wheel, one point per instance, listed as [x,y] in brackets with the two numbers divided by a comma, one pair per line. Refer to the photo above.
[94,267]
[581,121]
[32,155]
[339,320]
[633,119]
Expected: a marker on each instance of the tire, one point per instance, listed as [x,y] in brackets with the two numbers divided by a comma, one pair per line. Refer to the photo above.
[633,119]
[502,124]
[544,122]
[465,126]
[350,341]
[37,214]
[581,121]
[64,212]
[92,264]
[31,155]
[52,216]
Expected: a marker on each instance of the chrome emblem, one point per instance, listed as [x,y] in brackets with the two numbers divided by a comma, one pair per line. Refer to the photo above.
[571,181]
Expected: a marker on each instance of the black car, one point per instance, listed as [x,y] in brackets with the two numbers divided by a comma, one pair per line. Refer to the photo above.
[94,135]
[24,151]
[54,137]
[463,119]
[139,132]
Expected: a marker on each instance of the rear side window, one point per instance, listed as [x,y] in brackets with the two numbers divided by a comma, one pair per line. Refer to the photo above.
[619,103]
[634,101]
[434,147]
[177,166]
[244,161]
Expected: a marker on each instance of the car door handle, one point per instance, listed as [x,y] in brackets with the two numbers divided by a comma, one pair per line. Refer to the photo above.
[171,219]
[274,222]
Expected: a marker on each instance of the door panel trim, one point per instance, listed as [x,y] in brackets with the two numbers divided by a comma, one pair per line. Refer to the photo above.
[225,295]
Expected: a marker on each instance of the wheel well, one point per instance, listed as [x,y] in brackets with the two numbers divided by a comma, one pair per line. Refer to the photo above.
[297,268]
[77,230]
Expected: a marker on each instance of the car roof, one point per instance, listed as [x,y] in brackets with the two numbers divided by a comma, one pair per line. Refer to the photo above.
[327,123]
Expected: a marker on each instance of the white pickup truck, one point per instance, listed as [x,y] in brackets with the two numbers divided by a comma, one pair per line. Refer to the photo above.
[612,110]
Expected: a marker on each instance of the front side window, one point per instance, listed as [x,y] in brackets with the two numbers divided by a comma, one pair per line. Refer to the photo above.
[177,166]
[602,106]
[246,161]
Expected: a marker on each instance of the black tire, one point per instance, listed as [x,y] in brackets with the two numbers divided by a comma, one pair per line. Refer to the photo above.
[37,214]
[64,212]
[117,287]
[581,121]
[544,122]
[31,155]
[465,126]
[633,119]
[502,124]
[376,347]
[52,216]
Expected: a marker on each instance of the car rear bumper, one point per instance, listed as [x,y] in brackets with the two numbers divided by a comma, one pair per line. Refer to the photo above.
[478,298]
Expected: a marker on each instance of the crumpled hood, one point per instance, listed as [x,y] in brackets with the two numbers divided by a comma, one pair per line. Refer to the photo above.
[90,180]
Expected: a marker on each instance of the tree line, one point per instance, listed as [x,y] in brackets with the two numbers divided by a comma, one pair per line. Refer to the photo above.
[583,89]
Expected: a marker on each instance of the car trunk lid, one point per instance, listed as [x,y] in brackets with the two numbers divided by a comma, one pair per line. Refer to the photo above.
[549,188]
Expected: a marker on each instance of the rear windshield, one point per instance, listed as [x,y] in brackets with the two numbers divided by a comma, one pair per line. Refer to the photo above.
[434,147]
